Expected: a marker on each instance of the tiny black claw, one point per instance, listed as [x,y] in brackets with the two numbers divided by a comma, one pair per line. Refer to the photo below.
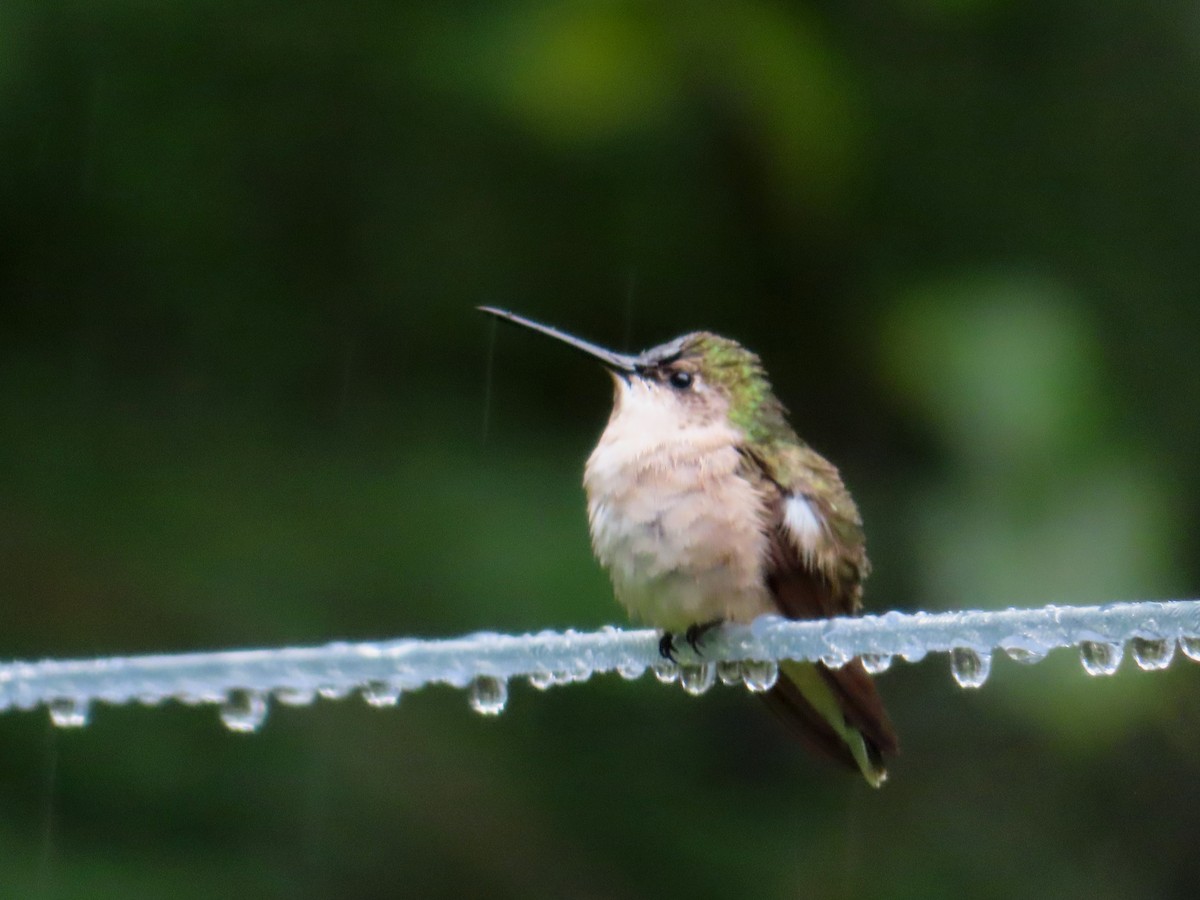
[695,634]
[666,646]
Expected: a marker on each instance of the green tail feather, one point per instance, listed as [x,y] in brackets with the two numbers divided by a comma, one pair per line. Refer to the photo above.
[816,691]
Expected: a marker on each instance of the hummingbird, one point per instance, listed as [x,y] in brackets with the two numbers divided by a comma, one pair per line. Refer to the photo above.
[705,507]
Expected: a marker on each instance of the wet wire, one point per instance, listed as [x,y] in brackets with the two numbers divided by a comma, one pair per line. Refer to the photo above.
[243,683]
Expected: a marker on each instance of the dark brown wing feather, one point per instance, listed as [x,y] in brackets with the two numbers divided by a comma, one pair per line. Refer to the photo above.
[804,593]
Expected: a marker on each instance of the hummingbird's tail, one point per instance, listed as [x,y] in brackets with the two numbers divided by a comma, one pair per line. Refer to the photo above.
[837,713]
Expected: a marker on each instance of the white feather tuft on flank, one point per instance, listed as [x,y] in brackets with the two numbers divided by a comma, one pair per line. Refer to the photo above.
[804,523]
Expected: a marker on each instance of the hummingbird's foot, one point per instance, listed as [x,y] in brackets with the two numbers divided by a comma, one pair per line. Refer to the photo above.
[695,633]
[666,646]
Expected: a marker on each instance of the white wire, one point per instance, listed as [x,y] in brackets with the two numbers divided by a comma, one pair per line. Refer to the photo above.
[386,668]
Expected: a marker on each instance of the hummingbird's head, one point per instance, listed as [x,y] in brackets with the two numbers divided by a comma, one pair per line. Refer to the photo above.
[699,377]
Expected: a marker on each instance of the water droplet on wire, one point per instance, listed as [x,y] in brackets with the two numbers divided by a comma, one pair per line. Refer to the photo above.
[970,667]
[666,672]
[729,672]
[1100,657]
[1152,654]
[875,663]
[289,696]
[834,660]
[631,670]
[68,712]
[760,675]
[1190,647]
[1024,655]
[488,695]
[696,680]
[244,711]
[577,674]
[542,680]
[381,694]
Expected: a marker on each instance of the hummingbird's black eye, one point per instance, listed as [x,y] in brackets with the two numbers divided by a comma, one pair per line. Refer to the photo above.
[681,380]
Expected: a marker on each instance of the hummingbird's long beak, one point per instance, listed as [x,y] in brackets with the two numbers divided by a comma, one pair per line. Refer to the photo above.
[617,362]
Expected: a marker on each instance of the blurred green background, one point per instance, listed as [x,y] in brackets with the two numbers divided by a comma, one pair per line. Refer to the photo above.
[245,399]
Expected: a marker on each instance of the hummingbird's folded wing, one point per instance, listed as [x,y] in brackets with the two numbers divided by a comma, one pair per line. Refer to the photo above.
[801,593]
[815,566]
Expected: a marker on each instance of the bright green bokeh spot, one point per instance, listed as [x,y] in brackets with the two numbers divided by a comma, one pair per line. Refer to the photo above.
[999,366]
[582,71]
